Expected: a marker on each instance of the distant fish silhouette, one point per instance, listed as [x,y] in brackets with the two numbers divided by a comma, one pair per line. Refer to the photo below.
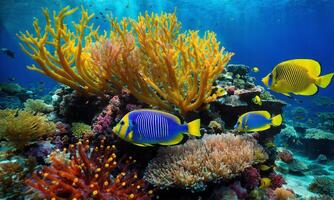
[8,52]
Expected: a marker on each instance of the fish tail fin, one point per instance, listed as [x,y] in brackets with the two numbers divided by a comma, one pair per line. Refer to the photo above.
[194,128]
[324,81]
[277,120]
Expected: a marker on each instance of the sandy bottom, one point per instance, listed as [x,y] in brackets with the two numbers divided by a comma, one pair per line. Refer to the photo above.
[299,184]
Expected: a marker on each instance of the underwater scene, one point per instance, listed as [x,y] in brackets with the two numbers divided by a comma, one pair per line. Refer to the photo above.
[168,99]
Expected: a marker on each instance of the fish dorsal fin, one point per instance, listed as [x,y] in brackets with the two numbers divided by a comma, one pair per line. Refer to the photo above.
[175,118]
[311,66]
[174,141]
[264,113]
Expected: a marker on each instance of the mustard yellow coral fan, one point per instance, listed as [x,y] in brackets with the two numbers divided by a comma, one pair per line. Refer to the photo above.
[149,56]
[198,162]
[21,127]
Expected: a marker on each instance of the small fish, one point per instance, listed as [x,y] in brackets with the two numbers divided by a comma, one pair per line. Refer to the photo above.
[219,91]
[147,127]
[255,69]
[264,167]
[255,121]
[265,183]
[7,52]
[298,76]
[257,100]
[11,78]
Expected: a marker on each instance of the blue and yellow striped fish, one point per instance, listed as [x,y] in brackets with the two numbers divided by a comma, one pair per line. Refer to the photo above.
[255,121]
[147,127]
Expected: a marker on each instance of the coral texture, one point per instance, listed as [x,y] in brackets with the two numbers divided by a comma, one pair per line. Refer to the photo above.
[198,162]
[151,57]
[282,194]
[37,105]
[81,129]
[94,173]
[21,127]
[318,134]
[322,185]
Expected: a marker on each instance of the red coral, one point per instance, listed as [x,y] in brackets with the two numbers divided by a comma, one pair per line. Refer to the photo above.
[276,181]
[90,174]
[286,156]
[251,178]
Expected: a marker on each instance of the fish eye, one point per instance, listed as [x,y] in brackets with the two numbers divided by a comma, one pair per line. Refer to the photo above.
[122,122]
[270,75]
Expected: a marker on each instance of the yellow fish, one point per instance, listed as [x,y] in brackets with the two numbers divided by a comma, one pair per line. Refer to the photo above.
[257,100]
[265,183]
[264,167]
[255,69]
[298,76]
[220,91]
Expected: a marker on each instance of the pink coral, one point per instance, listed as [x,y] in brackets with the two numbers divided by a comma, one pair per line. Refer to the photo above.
[118,106]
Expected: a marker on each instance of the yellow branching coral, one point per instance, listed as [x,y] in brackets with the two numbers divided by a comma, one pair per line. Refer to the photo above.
[21,127]
[149,56]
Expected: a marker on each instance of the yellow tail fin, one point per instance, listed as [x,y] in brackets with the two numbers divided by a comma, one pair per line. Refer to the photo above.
[277,120]
[325,80]
[194,128]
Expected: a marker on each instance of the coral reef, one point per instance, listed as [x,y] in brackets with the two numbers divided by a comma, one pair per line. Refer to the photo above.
[80,130]
[70,106]
[251,178]
[91,173]
[20,127]
[282,194]
[285,155]
[318,134]
[197,162]
[174,68]
[13,171]
[37,105]
[322,185]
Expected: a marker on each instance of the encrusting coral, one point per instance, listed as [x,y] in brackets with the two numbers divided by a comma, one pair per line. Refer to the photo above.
[20,127]
[150,57]
[91,173]
[197,162]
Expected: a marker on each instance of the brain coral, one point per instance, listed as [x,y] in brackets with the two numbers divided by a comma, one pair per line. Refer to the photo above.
[197,162]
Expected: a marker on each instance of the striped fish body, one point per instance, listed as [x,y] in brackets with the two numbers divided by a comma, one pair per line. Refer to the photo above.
[290,78]
[298,76]
[155,127]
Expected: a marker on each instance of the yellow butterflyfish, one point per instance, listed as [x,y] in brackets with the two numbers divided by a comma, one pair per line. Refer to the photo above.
[298,76]
[255,69]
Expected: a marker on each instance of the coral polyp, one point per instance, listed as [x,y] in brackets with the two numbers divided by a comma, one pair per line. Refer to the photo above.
[90,173]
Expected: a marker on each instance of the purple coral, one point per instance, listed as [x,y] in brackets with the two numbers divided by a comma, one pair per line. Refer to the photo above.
[276,181]
[251,178]
[118,106]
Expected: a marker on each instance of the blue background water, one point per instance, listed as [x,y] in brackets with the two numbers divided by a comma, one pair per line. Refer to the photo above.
[261,32]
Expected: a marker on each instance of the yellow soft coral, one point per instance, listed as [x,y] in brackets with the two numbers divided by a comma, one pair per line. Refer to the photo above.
[149,56]
[21,127]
